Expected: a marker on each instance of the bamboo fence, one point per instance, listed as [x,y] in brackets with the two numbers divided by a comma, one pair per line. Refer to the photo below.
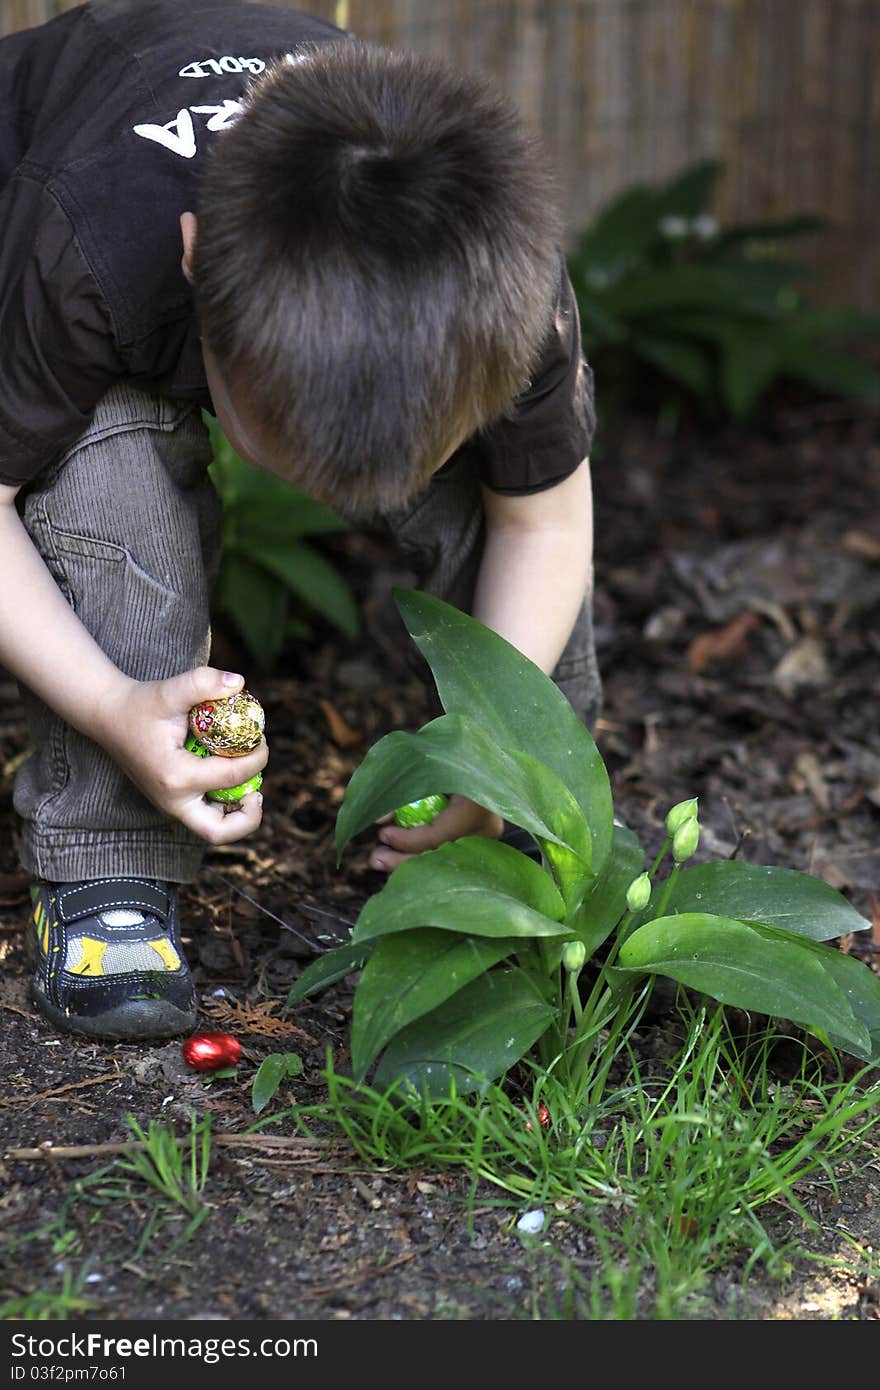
[785,92]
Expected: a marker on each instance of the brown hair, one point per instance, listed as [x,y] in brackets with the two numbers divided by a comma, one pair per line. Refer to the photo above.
[376,264]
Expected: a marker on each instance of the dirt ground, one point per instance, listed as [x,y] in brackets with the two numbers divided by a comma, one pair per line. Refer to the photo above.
[738,625]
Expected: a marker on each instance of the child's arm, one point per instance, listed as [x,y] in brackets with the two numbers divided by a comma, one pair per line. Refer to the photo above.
[536,567]
[142,724]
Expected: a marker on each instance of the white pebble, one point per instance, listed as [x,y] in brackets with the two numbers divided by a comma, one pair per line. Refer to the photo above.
[532,1222]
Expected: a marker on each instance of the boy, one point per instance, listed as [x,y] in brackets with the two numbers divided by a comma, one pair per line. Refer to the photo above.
[351,257]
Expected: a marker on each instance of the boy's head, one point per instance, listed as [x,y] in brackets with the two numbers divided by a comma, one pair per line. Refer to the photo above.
[375,268]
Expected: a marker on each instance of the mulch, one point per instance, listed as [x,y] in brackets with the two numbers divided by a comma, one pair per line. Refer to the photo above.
[738,627]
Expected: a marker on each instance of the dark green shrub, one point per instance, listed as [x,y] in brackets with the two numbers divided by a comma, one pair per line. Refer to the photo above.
[716,315]
[271,579]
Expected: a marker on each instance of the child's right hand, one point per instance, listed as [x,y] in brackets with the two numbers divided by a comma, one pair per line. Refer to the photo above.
[143,725]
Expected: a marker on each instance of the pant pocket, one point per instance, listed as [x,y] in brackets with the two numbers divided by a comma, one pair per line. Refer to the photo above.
[126,610]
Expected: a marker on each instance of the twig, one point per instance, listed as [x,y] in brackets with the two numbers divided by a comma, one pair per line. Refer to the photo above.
[47,1149]
[374,1272]
[31,1099]
[14,1008]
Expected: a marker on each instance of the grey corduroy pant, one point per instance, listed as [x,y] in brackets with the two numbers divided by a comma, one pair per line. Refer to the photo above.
[129,525]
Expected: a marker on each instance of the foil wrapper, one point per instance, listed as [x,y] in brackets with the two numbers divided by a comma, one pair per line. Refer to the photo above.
[210,1051]
[231,727]
[420,812]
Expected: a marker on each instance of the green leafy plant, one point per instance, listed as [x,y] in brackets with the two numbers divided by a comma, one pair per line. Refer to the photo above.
[473,955]
[274,1069]
[271,577]
[716,313]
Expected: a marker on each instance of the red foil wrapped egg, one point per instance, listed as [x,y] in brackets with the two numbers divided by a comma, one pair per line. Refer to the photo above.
[543,1116]
[211,1051]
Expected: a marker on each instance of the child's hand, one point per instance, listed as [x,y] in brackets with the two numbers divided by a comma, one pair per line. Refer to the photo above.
[461,817]
[143,725]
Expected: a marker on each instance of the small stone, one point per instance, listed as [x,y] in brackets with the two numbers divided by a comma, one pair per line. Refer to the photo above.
[531,1222]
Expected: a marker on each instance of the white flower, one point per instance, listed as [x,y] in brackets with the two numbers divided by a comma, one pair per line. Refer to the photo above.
[674,228]
[704,227]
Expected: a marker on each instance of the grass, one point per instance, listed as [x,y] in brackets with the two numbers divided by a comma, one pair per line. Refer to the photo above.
[684,1169]
[675,1174]
[166,1179]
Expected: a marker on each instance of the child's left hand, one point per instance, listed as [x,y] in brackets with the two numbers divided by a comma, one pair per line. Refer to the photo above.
[461,817]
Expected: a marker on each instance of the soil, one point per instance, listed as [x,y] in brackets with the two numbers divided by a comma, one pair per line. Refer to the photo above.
[738,626]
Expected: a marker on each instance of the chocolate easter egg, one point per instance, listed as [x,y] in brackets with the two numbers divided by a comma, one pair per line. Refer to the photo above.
[231,727]
[211,1051]
[420,812]
[253,784]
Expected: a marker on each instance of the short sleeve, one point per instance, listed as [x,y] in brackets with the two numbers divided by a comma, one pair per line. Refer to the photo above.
[57,350]
[550,428]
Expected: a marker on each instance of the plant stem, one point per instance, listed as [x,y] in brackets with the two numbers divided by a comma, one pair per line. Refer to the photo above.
[660,857]
[574,994]
[667,891]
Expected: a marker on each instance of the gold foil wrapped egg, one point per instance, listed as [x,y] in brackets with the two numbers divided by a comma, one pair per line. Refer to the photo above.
[231,727]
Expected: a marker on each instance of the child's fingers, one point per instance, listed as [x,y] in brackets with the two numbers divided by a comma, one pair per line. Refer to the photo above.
[213,823]
[418,837]
[386,860]
[460,817]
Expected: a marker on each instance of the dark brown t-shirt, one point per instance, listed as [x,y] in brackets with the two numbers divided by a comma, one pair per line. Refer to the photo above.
[105,115]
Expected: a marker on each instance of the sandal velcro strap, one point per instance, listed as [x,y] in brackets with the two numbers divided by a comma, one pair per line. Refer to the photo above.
[109,894]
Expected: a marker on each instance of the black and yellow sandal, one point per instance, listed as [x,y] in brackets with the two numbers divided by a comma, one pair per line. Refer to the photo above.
[108,958]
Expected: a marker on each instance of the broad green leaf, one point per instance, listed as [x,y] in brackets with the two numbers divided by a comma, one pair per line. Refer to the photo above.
[831,371]
[485,678]
[272,1071]
[455,754]
[469,885]
[738,965]
[689,192]
[813,323]
[763,893]
[472,1038]
[327,969]
[684,362]
[742,288]
[315,581]
[748,367]
[406,977]
[857,981]
[769,231]
[619,237]
[603,908]
[282,515]
[257,603]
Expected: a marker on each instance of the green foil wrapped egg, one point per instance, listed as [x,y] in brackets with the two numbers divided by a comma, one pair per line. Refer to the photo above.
[420,812]
[229,728]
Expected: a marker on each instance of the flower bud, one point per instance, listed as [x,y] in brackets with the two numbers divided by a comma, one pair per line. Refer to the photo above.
[574,953]
[638,894]
[682,811]
[685,840]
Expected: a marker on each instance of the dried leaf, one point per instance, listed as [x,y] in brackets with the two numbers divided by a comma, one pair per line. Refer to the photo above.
[804,664]
[340,732]
[722,643]
[862,543]
[807,764]
[253,1018]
